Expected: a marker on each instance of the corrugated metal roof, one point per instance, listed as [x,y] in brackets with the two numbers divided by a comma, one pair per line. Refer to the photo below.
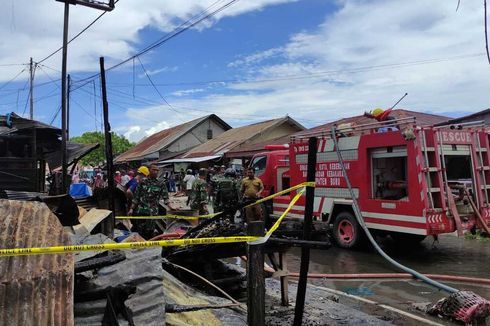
[34,290]
[250,150]
[141,270]
[163,139]
[470,117]
[422,119]
[236,137]
[19,123]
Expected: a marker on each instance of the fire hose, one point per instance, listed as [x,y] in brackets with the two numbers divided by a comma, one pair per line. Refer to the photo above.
[449,278]
[358,215]
[464,306]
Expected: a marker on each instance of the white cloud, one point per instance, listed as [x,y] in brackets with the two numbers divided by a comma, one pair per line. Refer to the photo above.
[188,91]
[255,58]
[130,131]
[388,40]
[34,28]
[157,71]
[385,38]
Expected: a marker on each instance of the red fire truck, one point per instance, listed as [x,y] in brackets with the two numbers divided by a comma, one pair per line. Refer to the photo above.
[410,181]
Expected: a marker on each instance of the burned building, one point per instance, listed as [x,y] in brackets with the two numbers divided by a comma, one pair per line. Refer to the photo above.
[27,149]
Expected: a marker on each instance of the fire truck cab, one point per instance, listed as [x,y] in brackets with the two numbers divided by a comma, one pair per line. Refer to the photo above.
[409,181]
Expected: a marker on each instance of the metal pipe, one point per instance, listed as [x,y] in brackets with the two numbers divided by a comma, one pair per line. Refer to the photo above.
[463,124]
[360,127]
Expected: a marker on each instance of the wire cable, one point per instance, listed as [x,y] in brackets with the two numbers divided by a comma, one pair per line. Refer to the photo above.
[76,36]
[315,74]
[14,78]
[154,87]
[486,29]
[177,31]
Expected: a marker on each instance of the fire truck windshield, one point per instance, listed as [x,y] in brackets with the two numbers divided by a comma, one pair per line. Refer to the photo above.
[259,164]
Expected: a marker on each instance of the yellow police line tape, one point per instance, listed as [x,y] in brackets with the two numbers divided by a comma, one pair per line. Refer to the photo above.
[184,217]
[160,243]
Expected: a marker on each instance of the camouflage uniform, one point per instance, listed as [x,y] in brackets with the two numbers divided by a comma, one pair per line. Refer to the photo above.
[213,184]
[227,194]
[199,196]
[147,195]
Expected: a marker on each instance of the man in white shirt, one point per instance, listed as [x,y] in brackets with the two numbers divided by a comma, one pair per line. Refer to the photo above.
[189,181]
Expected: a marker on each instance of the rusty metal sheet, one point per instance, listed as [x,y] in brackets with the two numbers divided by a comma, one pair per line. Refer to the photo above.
[38,289]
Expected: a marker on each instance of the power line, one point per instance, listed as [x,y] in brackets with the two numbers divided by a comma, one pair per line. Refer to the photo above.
[14,78]
[177,31]
[154,87]
[81,107]
[145,101]
[55,115]
[313,74]
[76,36]
[13,64]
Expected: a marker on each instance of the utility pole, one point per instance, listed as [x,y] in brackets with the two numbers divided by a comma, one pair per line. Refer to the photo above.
[64,166]
[64,133]
[68,108]
[31,88]
[108,228]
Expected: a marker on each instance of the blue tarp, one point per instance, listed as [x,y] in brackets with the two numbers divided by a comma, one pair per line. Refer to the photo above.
[80,190]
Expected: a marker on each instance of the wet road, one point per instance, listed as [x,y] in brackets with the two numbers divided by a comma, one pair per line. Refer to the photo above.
[451,255]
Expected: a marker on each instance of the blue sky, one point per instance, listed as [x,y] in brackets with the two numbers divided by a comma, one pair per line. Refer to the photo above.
[258,59]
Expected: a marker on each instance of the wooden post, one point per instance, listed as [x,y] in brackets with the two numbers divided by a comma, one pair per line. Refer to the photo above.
[284,280]
[305,251]
[64,181]
[255,277]
[108,228]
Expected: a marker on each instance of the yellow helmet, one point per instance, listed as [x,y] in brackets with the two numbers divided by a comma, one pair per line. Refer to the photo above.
[376,112]
[144,170]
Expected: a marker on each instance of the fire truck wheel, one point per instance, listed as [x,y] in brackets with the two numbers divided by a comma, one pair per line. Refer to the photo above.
[346,231]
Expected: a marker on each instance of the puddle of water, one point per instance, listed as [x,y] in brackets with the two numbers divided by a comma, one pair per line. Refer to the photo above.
[451,256]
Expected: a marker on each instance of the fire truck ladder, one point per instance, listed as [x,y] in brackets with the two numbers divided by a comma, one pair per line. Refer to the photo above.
[427,170]
[481,156]
[445,185]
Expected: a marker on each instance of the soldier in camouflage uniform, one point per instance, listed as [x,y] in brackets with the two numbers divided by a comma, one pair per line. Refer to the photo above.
[227,193]
[199,198]
[145,202]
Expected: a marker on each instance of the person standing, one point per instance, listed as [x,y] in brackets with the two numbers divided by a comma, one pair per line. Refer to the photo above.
[251,189]
[124,178]
[117,177]
[142,173]
[147,196]
[199,198]
[227,193]
[189,181]
[171,182]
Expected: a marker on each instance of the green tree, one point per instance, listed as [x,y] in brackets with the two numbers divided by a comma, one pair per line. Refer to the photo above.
[119,145]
